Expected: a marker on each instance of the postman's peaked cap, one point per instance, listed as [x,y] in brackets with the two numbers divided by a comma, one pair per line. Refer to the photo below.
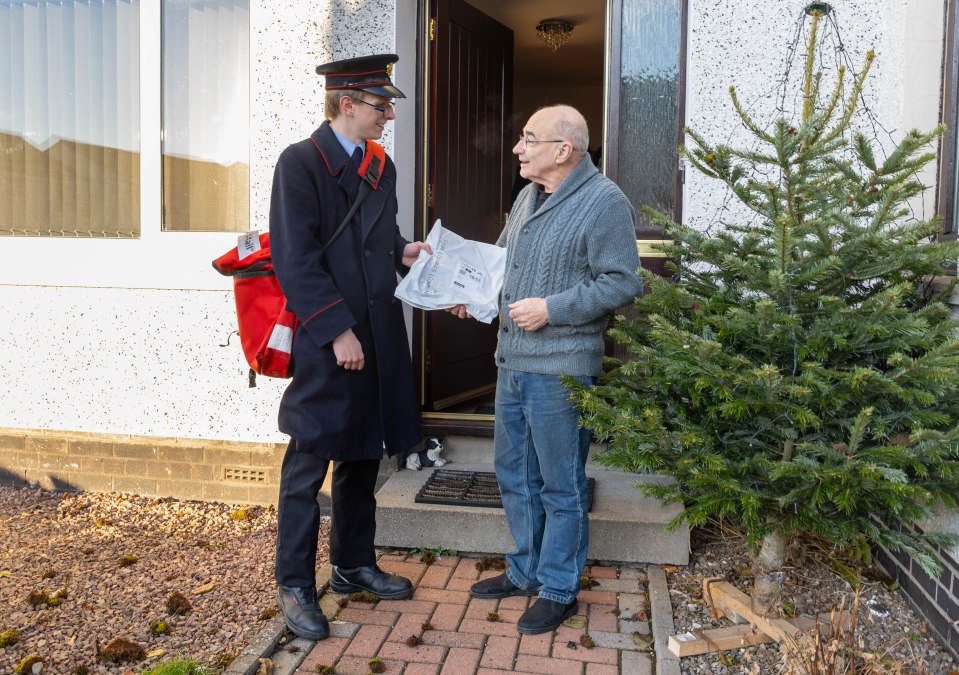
[366,73]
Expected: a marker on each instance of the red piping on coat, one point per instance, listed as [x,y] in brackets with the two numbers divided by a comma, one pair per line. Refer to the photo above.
[322,310]
[325,161]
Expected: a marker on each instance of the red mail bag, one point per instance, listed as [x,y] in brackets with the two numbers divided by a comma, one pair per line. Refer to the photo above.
[265,325]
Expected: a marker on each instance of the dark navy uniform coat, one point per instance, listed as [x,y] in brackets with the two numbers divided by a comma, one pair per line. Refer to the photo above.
[342,415]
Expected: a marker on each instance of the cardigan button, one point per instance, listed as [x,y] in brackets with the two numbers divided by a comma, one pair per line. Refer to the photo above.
[506,329]
[502,360]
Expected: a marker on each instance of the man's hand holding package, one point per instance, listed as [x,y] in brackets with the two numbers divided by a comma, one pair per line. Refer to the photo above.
[412,251]
[459,311]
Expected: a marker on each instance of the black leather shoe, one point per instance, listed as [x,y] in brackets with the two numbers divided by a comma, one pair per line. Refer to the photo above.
[302,612]
[544,616]
[371,579]
[498,587]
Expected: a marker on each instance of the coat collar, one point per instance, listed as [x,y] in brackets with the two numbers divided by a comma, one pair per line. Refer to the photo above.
[329,146]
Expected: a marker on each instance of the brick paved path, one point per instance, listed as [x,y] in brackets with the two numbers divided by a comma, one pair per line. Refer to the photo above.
[460,638]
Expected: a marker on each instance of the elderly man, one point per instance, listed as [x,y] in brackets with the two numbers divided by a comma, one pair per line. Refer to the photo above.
[571,260]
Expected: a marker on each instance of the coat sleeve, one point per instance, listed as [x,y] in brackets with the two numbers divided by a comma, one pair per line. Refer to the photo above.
[294,221]
[614,264]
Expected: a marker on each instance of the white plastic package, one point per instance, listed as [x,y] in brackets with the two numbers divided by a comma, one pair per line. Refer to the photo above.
[460,272]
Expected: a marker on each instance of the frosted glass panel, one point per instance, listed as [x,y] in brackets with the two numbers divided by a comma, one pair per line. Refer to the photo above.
[649,103]
[206,115]
[69,118]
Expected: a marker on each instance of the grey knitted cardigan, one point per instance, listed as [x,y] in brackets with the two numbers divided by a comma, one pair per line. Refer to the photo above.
[579,252]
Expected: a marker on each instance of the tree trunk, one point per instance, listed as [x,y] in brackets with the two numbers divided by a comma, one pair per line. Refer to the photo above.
[768,575]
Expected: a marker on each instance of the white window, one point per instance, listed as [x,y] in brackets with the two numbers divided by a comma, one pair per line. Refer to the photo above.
[206,110]
[69,115]
[78,156]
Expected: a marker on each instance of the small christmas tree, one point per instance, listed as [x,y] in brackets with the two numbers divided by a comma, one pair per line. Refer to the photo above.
[798,376]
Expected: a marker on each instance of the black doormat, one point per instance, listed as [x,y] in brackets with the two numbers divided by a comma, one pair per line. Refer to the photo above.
[470,488]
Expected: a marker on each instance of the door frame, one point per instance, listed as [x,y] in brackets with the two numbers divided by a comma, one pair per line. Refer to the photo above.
[476,424]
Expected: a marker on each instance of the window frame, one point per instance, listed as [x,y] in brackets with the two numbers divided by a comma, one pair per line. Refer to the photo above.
[144,262]
[947,198]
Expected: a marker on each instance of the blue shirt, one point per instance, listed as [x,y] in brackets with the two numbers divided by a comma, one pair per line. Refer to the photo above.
[347,144]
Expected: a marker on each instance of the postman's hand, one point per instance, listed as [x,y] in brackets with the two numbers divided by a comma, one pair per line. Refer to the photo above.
[412,251]
[348,351]
[459,311]
[529,313]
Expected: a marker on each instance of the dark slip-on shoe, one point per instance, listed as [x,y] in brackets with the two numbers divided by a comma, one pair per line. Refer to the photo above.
[545,616]
[498,587]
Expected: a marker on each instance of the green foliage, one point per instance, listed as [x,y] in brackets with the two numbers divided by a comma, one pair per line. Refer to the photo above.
[431,555]
[8,638]
[26,665]
[799,375]
[180,667]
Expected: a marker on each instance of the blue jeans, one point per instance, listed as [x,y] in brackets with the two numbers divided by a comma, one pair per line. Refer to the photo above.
[541,468]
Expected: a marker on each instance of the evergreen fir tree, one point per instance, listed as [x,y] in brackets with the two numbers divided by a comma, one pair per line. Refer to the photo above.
[798,375]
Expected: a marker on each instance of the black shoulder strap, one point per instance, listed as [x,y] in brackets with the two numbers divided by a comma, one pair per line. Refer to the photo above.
[371,177]
[360,196]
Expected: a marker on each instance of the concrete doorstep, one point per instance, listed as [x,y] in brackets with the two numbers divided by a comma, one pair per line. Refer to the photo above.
[622,626]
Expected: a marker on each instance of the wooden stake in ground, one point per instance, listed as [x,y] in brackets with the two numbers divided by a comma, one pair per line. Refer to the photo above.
[727,600]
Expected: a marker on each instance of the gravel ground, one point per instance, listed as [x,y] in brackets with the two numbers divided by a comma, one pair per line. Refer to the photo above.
[115,559]
[811,587]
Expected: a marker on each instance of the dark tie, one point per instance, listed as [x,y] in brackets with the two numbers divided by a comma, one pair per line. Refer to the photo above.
[352,177]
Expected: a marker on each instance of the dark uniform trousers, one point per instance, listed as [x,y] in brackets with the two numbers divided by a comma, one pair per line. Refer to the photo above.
[353,525]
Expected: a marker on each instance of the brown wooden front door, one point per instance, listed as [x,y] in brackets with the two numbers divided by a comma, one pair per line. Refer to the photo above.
[471,64]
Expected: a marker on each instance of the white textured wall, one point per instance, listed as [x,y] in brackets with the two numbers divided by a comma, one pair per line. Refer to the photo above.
[289,40]
[750,49]
[141,362]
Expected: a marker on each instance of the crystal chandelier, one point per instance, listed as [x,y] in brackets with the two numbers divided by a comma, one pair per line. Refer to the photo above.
[554,32]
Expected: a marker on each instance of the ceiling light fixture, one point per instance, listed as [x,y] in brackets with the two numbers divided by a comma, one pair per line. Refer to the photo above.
[554,32]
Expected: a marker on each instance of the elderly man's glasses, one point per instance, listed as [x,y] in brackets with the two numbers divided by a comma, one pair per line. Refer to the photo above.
[532,141]
[379,107]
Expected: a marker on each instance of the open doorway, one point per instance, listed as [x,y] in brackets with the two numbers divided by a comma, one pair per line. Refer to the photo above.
[488,71]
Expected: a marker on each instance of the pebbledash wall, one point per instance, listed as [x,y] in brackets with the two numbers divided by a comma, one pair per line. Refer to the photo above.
[111,370]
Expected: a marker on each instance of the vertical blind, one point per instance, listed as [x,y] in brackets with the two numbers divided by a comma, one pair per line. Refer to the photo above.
[69,118]
[206,110]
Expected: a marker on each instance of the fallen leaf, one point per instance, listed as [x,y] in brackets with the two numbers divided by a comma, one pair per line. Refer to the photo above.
[669,569]
[575,623]
[205,588]
[5,574]
[642,641]
[155,652]
[266,667]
